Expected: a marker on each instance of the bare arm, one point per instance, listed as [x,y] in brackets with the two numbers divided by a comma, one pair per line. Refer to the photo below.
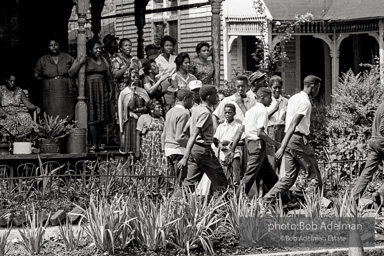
[117,73]
[38,76]
[191,142]
[215,121]
[77,64]
[27,103]
[296,120]
[262,135]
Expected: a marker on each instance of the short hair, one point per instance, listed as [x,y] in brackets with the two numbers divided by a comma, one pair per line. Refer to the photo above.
[230,105]
[206,91]
[262,92]
[184,93]
[91,43]
[147,66]
[242,78]
[123,40]
[168,38]
[201,45]
[275,79]
[180,59]
[151,104]
[311,79]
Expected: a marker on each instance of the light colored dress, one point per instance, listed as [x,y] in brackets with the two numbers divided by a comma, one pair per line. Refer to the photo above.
[17,122]
[180,81]
[167,68]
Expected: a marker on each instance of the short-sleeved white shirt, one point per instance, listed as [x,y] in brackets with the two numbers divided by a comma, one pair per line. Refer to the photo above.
[255,118]
[299,104]
[227,131]
[276,118]
[248,102]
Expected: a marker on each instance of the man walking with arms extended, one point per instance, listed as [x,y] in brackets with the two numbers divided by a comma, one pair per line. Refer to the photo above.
[299,153]
[198,154]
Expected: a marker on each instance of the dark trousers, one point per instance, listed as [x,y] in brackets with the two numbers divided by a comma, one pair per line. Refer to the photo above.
[232,171]
[203,160]
[258,167]
[173,160]
[275,132]
[301,156]
[375,157]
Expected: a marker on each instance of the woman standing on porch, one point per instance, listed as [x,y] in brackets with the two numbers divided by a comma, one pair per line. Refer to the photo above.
[203,68]
[122,65]
[96,91]
[183,76]
[59,90]
[167,67]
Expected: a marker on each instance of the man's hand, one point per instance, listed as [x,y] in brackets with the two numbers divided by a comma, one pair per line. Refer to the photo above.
[229,157]
[239,100]
[182,163]
[279,153]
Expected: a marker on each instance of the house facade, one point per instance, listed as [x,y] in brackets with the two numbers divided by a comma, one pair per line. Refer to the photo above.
[342,35]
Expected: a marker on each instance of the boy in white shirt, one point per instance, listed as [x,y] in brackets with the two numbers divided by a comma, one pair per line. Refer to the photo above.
[255,125]
[222,139]
[276,117]
[299,154]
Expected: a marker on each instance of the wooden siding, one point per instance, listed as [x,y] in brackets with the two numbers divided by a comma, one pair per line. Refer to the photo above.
[194,27]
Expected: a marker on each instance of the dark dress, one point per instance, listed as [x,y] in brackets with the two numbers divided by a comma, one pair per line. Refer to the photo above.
[96,92]
[59,90]
[128,139]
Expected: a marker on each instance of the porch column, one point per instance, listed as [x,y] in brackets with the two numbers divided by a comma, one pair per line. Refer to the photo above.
[215,8]
[381,49]
[81,106]
[334,46]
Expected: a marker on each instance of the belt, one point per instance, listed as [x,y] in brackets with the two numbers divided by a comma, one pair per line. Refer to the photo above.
[300,134]
[58,77]
[202,145]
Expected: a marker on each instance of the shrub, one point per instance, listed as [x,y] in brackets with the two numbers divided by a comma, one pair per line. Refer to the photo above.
[341,130]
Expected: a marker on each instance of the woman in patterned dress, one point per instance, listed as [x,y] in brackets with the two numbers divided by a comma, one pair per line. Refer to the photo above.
[122,65]
[96,92]
[149,130]
[203,68]
[183,76]
[13,119]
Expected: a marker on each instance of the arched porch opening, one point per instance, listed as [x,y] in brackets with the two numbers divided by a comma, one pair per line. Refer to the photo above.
[315,60]
[357,49]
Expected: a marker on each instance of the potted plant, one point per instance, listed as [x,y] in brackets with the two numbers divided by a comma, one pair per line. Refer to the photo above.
[51,131]
[23,141]
[4,142]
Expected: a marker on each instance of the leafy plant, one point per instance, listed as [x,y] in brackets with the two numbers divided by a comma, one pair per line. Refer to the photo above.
[106,222]
[196,219]
[150,223]
[33,236]
[4,242]
[54,127]
[268,59]
[70,238]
